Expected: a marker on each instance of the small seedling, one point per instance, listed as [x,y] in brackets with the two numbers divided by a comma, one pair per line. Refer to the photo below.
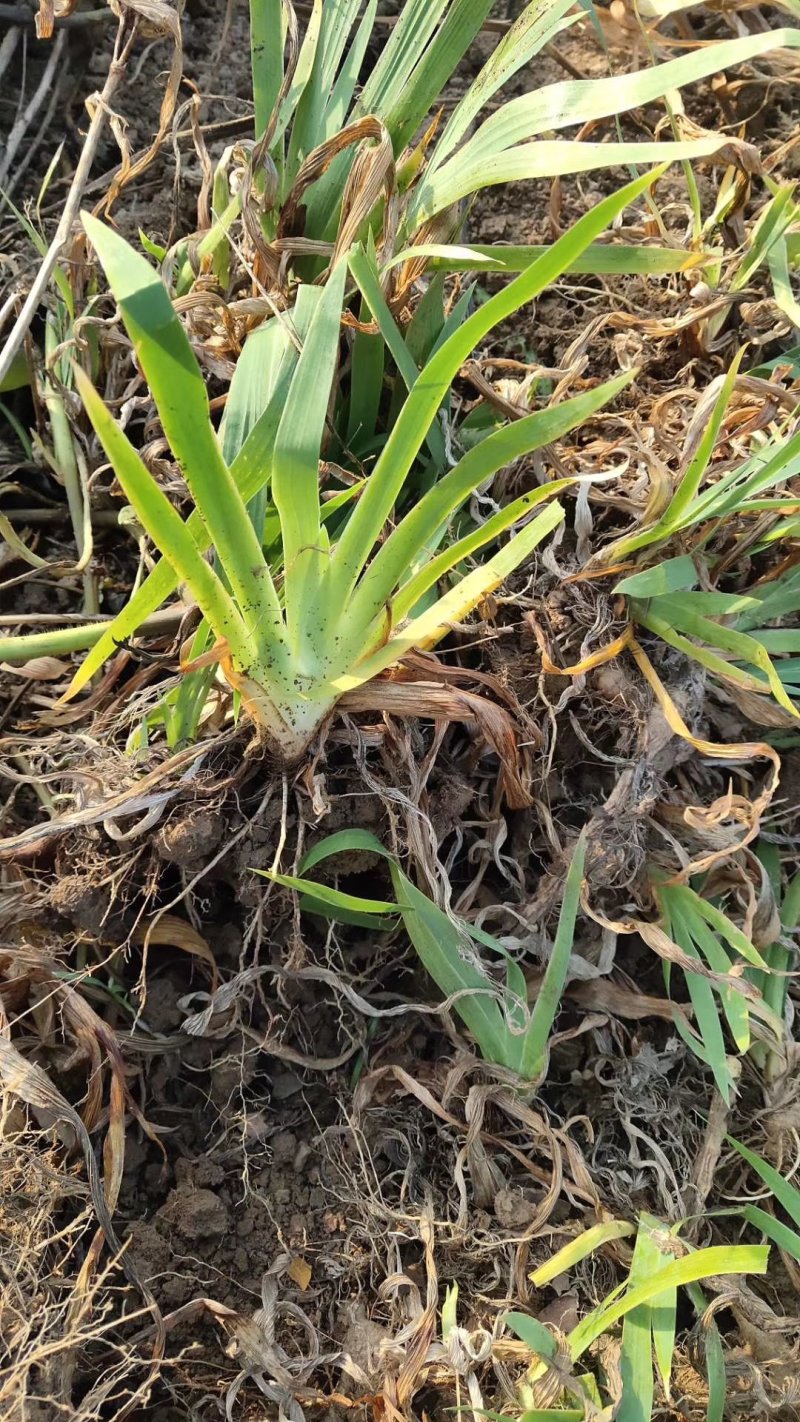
[506,1030]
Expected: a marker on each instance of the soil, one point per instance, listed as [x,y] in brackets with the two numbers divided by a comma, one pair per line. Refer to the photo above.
[275,1134]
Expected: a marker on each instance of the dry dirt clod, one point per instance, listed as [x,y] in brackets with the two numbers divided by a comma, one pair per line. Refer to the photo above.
[195,1214]
[192,837]
[512,1210]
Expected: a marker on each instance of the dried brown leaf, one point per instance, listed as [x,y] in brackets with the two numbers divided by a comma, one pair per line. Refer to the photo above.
[299,1271]
[169,931]
[442,703]
[747,812]
[37,669]
[603,995]
[30,1084]
[156,20]
[140,797]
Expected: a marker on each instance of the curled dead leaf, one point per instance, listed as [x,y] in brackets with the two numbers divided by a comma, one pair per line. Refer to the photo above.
[606,996]
[169,931]
[761,710]
[763,921]
[661,943]
[748,812]
[156,19]
[37,669]
[609,653]
[372,173]
[450,703]
[732,151]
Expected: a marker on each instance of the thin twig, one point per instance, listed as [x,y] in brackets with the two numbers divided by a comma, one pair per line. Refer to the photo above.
[15,178]
[99,107]
[159,624]
[15,15]
[103,518]
[7,49]
[32,107]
